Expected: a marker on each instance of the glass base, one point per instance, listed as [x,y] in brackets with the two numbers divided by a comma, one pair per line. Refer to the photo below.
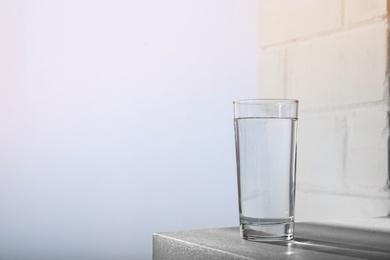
[270,232]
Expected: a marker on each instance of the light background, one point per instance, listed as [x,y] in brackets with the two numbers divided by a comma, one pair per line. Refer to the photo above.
[116,122]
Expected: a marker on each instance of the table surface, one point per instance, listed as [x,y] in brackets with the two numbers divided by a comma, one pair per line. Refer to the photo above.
[334,239]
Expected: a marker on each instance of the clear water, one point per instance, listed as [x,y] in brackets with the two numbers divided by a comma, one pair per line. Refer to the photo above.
[266,154]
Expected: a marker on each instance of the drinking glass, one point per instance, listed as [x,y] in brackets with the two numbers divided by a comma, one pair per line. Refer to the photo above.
[265,135]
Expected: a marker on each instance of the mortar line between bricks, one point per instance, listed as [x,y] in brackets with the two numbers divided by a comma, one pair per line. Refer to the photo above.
[345,150]
[318,36]
[384,194]
[344,14]
[381,105]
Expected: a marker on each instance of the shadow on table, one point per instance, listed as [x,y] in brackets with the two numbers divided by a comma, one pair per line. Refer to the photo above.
[340,241]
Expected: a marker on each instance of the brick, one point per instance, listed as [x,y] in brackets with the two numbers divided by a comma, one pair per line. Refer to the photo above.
[284,20]
[320,150]
[272,70]
[358,11]
[315,206]
[367,152]
[343,69]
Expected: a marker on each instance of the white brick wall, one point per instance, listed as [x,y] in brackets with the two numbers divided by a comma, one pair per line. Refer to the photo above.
[332,56]
[339,69]
[358,11]
[366,146]
[284,20]
[323,157]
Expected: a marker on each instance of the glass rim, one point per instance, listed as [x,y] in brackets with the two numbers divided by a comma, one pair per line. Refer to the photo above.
[266,101]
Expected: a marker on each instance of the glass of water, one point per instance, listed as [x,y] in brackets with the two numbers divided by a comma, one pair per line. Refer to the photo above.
[265,134]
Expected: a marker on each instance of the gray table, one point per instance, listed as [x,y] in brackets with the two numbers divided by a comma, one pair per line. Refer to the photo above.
[348,239]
